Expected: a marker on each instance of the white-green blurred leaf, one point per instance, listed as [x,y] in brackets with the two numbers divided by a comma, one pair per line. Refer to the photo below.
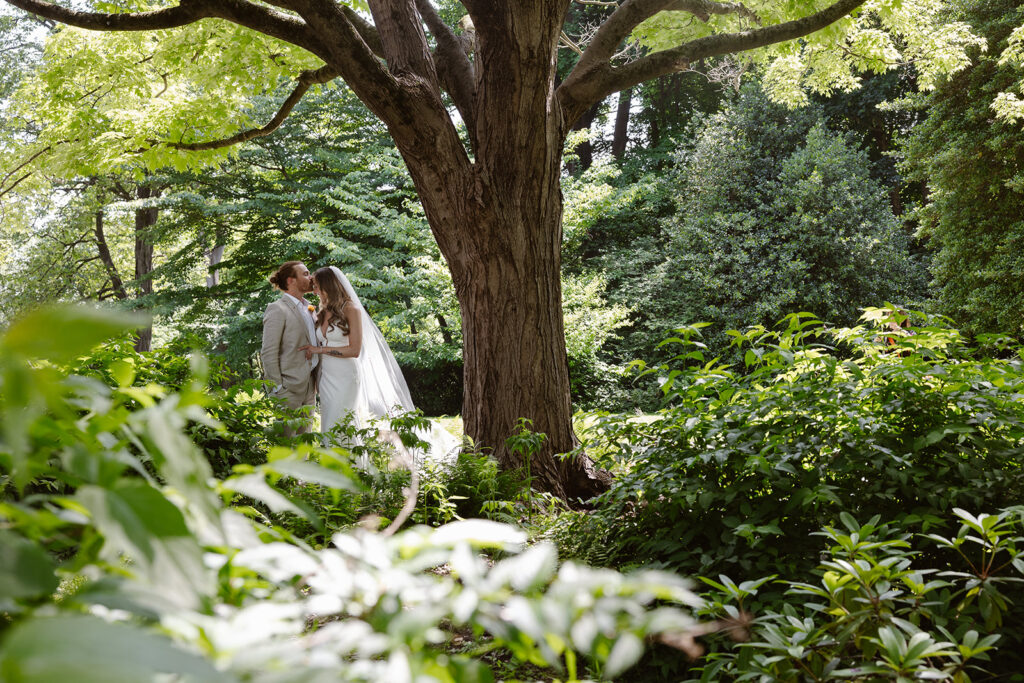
[89,650]
[61,333]
[26,571]
[140,523]
[624,654]
[304,470]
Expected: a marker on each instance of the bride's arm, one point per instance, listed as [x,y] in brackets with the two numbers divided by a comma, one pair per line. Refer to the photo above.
[355,329]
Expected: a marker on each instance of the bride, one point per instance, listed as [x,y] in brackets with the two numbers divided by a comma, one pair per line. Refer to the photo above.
[358,372]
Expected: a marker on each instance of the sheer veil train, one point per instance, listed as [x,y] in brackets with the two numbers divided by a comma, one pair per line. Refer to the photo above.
[383,387]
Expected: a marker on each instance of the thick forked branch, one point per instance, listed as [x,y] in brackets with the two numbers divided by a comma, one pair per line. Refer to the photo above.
[632,13]
[453,66]
[354,47]
[265,20]
[367,31]
[584,87]
[306,80]
[404,42]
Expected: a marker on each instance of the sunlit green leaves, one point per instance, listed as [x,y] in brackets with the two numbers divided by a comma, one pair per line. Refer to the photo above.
[57,335]
[1008,104]
[139,523]
[878,36]
[108,101]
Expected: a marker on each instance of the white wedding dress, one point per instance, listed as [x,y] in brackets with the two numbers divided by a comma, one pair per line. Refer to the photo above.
[372,386]
[340,383]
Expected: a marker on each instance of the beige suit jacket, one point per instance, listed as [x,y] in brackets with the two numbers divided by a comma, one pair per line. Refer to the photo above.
[284,332]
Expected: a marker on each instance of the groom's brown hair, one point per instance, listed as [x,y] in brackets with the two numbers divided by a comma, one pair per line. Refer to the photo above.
[280,278]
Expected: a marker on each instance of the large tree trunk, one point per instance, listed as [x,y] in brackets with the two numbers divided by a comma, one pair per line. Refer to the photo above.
[510,296]
[498,222]
[514,341]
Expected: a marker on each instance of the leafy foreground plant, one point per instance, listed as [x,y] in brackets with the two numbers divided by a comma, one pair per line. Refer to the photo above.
[876,614]
[247,429]
[125,564]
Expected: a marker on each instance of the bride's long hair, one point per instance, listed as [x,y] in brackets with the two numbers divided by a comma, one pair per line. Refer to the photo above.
[332,301]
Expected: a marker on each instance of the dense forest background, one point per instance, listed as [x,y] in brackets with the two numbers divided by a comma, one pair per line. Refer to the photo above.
[691,198]
[795,336]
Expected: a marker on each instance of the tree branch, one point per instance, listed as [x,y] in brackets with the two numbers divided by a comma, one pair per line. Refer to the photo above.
[259,18]
[169,17]
[453,66]
[17,182]
[632,13]
[703,9]
[116,284]
[307,79]
[355,50]
[367,31]
[596,81]
[405,44]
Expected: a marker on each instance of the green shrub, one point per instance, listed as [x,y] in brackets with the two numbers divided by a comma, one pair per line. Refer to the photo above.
[246,422]
[739,470]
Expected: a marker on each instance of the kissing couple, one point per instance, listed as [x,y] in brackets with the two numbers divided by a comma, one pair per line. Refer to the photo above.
[335,351]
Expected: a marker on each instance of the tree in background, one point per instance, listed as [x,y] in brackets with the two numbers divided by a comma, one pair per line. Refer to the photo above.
[874,115]
[80,239]
[767,212]
[971,162]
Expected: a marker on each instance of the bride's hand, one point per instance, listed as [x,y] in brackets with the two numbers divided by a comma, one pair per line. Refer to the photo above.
[310,350]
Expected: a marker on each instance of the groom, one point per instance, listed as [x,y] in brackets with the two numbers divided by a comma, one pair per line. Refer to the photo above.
[287,326]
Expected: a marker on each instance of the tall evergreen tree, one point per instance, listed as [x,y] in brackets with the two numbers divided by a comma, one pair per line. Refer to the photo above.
[767,212]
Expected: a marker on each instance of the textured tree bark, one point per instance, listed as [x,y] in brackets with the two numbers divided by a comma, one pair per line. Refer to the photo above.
[515,363]
[116,285]
[145,219]
[514,348]
[621,134]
